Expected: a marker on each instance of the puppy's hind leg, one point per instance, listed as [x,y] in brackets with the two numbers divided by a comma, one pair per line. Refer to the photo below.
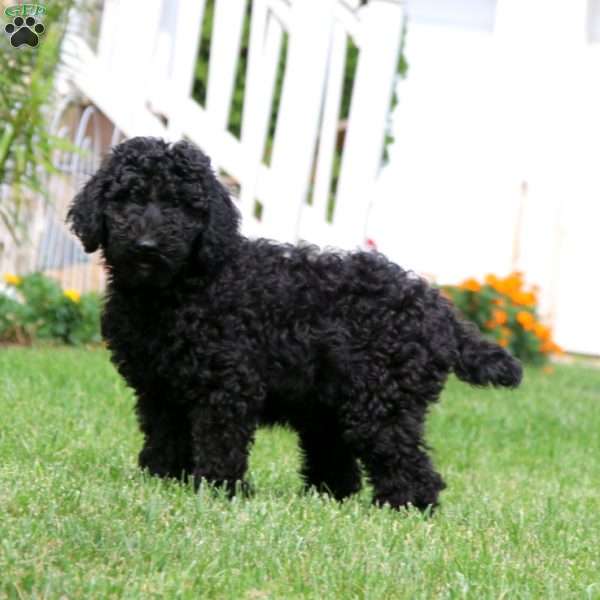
[393,453]
[400,471]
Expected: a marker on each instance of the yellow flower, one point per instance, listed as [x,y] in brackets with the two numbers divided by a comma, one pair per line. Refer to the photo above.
[72,295]
[12,279]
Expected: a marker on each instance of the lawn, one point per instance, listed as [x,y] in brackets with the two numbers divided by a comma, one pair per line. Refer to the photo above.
[520,517]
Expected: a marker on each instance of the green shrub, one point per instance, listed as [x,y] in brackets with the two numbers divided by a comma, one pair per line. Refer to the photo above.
[11,317]
[42,310]
[506,312]
[27,144]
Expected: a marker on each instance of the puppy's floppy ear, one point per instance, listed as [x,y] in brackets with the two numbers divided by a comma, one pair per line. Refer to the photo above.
[86,215]
[219,234]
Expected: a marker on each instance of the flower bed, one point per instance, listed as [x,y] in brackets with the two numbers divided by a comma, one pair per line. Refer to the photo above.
[35,307]
[506,311]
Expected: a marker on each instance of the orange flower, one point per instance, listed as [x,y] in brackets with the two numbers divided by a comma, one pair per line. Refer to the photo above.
[530,299]
[524,298]
[503,342]
[491,324]
[515,280]
[494,282]
[511,286]
[542,332]
[471,285]
[516,297]
[499,301]
[499,316]
[549,347]
[526,320]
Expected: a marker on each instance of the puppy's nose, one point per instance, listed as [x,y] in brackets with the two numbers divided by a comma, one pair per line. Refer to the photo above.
[146,244]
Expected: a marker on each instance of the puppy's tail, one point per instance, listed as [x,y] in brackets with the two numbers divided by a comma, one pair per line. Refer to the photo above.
[481,362]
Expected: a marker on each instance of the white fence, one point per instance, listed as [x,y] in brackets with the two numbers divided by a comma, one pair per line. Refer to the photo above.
[143,84]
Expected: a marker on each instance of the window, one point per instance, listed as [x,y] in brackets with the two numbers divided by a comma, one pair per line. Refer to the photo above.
[593,21]
[478,15]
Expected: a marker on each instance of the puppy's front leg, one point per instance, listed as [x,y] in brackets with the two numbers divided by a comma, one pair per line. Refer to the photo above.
[222,434]
[167,450]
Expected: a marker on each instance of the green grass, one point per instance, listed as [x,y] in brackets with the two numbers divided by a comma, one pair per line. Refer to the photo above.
[520,517]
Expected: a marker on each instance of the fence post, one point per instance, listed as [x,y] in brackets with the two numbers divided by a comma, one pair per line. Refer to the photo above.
[266,38]
[299,114]
[224,52]
[373,86]
[186,41]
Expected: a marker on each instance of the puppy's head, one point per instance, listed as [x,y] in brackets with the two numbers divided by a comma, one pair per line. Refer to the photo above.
[154,208]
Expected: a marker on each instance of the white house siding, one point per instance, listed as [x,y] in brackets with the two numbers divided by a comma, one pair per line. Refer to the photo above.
[497,154]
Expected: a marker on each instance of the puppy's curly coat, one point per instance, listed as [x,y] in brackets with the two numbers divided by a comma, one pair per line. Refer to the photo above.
[218,334]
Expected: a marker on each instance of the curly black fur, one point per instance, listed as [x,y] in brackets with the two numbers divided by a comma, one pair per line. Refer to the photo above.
[218,334]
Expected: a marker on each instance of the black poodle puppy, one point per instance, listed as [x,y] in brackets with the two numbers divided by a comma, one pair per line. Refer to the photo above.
[218,334]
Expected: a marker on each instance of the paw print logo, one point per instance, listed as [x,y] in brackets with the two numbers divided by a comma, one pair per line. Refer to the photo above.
[24,31]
